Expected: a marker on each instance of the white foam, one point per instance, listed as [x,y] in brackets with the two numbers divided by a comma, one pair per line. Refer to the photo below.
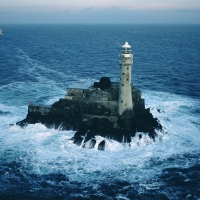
[52,151]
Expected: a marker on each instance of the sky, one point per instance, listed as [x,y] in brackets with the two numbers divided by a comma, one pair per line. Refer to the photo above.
[100,11]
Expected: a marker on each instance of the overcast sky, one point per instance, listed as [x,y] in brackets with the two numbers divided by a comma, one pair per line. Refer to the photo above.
[94,11]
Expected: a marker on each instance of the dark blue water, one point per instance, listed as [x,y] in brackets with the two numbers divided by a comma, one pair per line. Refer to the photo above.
[38,63]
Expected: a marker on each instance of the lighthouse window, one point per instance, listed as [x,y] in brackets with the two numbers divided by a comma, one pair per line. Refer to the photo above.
[122,84]
[123,73]
[127,67]
[127,79]
[121,101]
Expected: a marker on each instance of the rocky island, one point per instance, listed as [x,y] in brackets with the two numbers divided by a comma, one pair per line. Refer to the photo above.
[112,110]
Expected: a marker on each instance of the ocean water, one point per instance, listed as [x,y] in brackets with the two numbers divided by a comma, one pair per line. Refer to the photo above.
[38,63]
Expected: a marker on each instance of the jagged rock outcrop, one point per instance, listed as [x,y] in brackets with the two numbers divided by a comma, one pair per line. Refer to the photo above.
[93,112]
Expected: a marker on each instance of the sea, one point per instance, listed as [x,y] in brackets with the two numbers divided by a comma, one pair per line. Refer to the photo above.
[39,62]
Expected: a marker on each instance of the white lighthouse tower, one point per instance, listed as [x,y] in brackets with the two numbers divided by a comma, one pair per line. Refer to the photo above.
[125,104]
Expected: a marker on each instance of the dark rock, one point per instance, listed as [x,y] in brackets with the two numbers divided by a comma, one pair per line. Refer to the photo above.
[145,122]
[102,145]
[90,143]
[77,140]
[92,112]
[127,121]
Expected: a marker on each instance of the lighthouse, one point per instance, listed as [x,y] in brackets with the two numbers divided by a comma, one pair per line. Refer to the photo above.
[125,103]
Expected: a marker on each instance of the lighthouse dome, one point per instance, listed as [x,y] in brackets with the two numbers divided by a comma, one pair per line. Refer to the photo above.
[126,45]
[126,48]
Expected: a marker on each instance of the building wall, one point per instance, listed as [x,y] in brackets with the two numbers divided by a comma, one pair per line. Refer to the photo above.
[74,92]
[97,95]
[91,94]
[125,88]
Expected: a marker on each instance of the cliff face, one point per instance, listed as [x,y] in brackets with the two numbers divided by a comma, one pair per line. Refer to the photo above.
[93,112]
